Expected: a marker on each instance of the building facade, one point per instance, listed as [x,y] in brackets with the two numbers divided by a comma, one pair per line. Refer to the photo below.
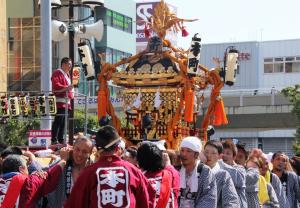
[3,46]
[23,46]
[258,115]
[22,38]
[118,37]
[144,10]
[119,34]
[262,64]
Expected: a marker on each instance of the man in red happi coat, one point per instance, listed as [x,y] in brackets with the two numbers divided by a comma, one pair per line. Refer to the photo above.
[18,189]
[63,91]
[111,181]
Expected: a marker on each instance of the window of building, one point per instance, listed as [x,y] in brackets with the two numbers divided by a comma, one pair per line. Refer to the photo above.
[291,67]
[290,64]
[118,21]
[279,59]
[268,68]
[128,24]
[268,60]
[290,58]
[278,67]
[24,54]
[109,17]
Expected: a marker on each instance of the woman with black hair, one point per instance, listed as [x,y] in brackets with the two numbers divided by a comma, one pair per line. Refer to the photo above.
[150,160]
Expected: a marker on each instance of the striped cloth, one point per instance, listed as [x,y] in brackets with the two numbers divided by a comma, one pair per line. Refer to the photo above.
[238,176]
[227,195]
[275,182]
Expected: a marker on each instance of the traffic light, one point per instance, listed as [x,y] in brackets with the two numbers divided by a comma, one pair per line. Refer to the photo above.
[14,106]
[42,104]
[194,57]
[52,104]
[4,106]
[33,105]
[24,105]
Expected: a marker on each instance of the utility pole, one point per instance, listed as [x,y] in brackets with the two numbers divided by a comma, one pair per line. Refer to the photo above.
[71,56]
[46,54]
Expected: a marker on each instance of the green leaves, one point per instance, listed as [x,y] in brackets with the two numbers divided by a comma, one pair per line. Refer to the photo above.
[14,132]
[293,94]
[79,120]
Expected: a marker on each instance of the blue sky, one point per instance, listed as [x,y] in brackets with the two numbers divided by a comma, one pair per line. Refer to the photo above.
[240,20]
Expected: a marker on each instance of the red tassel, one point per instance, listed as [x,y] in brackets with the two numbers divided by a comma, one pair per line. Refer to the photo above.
[220,117]
[102,100]
[146,31]
[189,106]
[184,33]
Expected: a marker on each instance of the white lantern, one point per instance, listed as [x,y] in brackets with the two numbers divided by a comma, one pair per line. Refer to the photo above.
[231,65]
[194,57]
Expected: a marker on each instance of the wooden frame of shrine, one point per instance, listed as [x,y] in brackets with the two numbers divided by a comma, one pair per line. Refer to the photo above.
[159,87]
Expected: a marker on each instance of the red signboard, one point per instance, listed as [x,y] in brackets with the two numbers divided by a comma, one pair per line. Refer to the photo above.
[38,138]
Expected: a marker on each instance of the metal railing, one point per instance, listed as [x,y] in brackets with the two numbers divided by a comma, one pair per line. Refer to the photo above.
[250,97]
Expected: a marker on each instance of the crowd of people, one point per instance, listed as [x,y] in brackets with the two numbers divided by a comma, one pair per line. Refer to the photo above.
[103,172]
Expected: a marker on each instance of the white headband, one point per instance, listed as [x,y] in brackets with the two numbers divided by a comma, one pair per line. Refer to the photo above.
[192,143]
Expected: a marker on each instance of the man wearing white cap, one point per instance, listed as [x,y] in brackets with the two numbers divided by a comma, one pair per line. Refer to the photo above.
[197,182]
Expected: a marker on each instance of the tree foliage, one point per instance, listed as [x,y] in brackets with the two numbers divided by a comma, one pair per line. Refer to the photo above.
[293,94]
[79,120]
[14,131]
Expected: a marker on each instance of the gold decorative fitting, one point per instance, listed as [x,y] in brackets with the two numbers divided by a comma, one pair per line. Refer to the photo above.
[131,71]
[170,70]
[146,68]
[139,71]
[156,68]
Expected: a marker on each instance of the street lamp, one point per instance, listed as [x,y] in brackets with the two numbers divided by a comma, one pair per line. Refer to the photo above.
[71,26]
